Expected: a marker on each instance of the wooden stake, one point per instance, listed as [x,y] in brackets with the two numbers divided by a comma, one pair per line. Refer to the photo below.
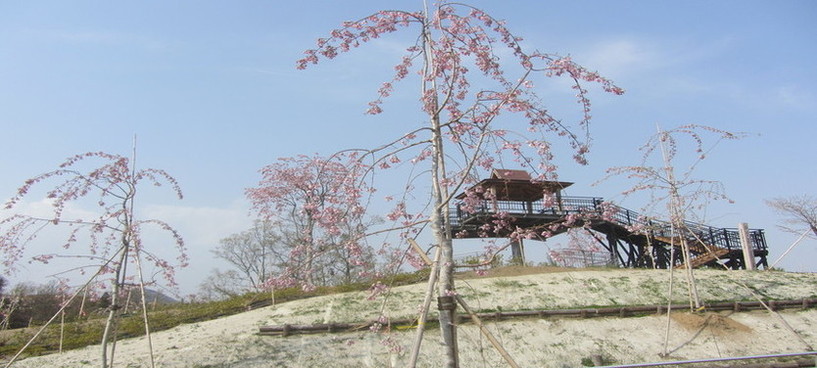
[420,251]
[789,249]
[421,320]
[62,329]
[748,251]
[487,333]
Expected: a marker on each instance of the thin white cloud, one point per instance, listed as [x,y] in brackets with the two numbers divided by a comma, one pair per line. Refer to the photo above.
[44,208]
[622,57]
[201,226]
[680,67]
[637,57]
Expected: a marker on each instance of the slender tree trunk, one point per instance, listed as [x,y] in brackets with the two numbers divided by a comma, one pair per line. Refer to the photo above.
[445,294]
[110,322]
[442,234]
[693,287]
[439,216]
[109,327]
[677,221]
[145,310]
[669,296]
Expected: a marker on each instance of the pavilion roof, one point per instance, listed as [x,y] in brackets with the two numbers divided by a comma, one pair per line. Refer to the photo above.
[517,185]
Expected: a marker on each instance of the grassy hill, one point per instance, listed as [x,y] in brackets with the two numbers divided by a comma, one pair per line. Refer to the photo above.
[233,341]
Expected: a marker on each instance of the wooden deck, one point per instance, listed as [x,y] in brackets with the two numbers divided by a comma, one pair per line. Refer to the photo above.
[650,247]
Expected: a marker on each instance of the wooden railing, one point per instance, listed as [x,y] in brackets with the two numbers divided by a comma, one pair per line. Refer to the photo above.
[596,208]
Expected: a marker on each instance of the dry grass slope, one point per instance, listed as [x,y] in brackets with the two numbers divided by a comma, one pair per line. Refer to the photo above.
[567,342]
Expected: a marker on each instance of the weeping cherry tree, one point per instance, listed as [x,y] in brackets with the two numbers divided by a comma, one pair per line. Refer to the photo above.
[478,92]
[113,235]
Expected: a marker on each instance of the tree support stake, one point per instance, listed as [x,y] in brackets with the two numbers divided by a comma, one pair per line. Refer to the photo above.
[487,333]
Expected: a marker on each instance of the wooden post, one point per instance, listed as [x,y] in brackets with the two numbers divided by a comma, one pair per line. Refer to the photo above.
[612,240]
[419,251]
[748,250]
[518,251]
[487,333]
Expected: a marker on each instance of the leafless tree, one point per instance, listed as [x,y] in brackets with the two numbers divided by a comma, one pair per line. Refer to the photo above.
[221,285]
[252,253]
[678,191]
[799,213]
[260,253]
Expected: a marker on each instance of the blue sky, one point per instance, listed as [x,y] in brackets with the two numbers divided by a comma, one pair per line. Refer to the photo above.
[211,92]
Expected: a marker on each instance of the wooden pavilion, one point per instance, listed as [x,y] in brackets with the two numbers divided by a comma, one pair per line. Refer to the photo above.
[533,204]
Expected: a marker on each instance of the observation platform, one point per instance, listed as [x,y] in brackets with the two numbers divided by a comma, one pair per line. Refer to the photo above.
[631,239]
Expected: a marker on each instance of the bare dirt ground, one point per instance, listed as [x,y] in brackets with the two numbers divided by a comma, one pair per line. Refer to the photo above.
[549,342]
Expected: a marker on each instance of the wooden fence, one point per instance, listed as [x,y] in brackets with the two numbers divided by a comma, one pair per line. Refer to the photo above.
[293,329]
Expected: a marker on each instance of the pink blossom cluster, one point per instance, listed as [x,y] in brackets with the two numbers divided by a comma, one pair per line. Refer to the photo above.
[452,36]
[377,325]
[474,200]
[482,109]
[376,289]
[353,34]
[415,261]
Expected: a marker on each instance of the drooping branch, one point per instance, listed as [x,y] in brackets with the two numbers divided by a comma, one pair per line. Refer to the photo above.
[458,46]
[114,234]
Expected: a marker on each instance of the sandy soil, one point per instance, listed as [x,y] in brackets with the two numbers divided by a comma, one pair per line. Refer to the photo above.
[233,341]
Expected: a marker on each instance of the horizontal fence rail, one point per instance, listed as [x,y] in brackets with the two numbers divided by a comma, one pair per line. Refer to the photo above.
[745,306]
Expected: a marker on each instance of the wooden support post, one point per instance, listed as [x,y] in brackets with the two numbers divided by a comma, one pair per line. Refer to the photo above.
[484,330]
[615,257]
[517,252]
[748,250]
[419,251]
